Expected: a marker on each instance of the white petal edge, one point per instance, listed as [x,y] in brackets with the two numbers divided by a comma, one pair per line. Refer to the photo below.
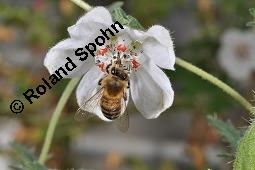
[88,31]
[97,16]
[151,90]
[161,34]
[56,58]
[230,36]
[159,47]
[249,39]
[88,86]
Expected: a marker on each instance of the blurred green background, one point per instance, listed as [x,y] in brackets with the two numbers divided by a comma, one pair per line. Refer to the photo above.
[179,139]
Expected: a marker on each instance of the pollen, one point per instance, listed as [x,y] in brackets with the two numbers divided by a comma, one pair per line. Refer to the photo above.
[121,47]
[120,53]
[102,51]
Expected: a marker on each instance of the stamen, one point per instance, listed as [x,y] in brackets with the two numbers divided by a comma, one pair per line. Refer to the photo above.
[121,54]
[102,51]
[135,64]
[121,47]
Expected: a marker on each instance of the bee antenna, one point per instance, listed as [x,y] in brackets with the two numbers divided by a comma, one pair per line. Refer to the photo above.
[107,68]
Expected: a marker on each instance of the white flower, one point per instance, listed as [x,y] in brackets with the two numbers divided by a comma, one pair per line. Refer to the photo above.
[237,54]
[143,52]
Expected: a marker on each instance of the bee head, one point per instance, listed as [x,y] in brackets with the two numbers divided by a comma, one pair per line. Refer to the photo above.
[114,71]
[118,72]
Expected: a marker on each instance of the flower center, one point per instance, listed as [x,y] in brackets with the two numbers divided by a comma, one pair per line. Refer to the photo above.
[242,51]
[126,56]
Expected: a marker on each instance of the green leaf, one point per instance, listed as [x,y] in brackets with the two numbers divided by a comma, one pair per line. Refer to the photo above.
[25,159]
[245,155]
[120,16]
[253,108]
[134,23]
[229,133]
[253,111]
[251,24]
[252,11]
[14,167]
[226,156]
[22,152]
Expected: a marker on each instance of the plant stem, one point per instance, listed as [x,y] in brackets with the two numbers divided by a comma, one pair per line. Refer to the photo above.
[66,94]
[82,4]
[55,117]
[215,81]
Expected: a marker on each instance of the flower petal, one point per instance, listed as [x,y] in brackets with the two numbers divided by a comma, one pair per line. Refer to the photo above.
[249,40]
[231,35]
[90,23]
[232,64]
[86,31]
[161,34]
[159,47]
[98,14]
[87,88]
[56,58]
[236,53]
[151,90]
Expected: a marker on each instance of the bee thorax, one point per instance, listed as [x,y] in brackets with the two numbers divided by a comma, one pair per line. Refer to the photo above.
[114,87]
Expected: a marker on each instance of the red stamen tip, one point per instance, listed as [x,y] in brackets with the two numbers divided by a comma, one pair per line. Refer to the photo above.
[101,66]
[135,64]
[121,47]
[102,51]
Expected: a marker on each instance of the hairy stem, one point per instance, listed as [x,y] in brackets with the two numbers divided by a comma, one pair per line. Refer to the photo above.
[82,4]
[215,81]
[66,94]
[55,117]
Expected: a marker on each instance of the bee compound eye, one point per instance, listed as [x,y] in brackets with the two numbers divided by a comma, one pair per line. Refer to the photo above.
[113,70]
[123,76]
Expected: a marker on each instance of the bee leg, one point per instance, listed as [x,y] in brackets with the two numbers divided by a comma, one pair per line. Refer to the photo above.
[128,84]
[125,96]
[100,82]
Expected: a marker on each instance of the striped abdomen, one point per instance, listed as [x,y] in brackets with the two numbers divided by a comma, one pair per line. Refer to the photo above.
[110,106]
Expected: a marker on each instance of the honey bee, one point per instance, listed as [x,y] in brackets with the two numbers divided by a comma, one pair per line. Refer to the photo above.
[111,97]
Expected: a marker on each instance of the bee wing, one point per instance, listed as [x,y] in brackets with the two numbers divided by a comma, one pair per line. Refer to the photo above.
[86,110]
[82,115]
[122,122]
